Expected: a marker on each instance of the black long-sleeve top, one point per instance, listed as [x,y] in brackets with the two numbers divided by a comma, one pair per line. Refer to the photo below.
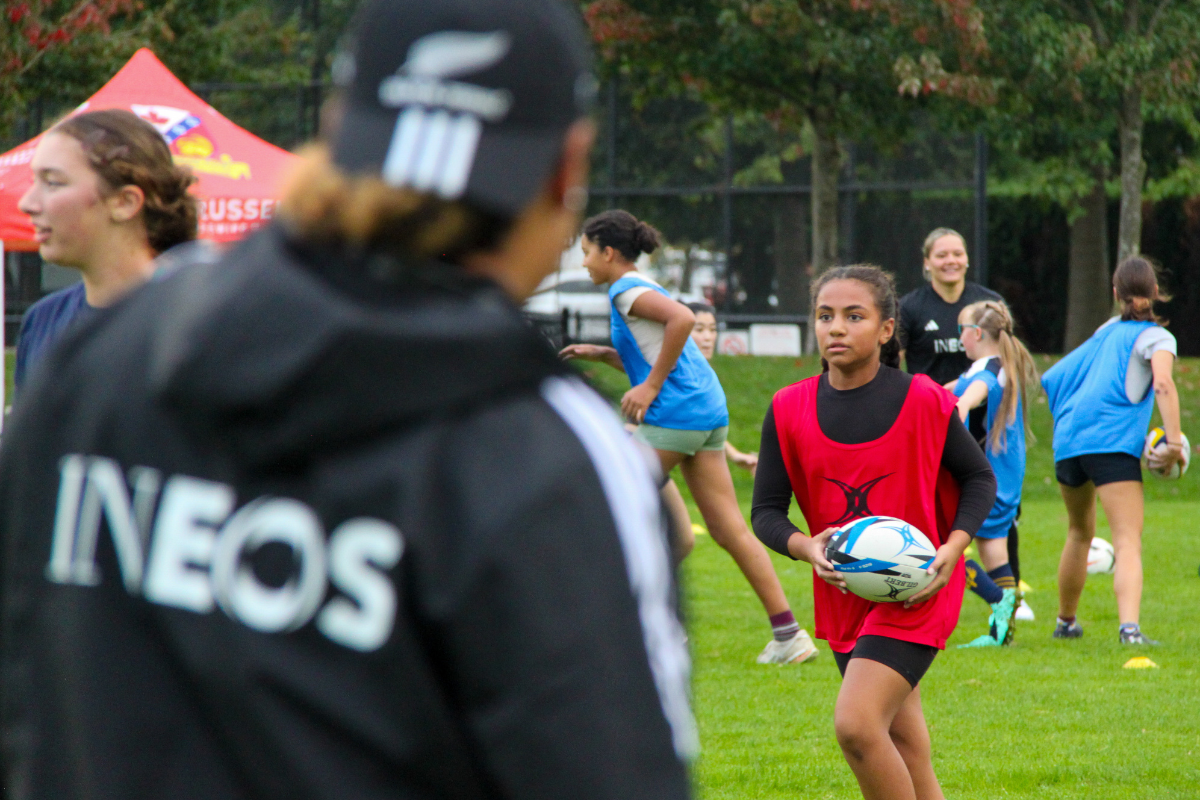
[862,415]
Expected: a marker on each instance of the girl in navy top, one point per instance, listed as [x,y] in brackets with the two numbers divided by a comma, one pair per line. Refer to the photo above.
[1001,371]
[1101,399]
[678,405]
[106,199]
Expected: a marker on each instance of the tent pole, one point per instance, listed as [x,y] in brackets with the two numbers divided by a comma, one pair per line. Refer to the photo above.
[3,330]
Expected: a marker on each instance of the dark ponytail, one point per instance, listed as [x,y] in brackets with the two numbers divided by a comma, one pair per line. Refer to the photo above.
[883,290]
[1136,282]
[623,232]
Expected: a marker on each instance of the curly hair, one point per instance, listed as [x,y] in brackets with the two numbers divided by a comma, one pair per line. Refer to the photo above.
[124,150]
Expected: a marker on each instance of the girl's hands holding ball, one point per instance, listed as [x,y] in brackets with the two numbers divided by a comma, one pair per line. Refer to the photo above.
[942,567]
[812,550]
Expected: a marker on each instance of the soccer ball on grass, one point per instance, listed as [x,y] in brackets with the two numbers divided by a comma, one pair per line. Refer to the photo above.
[1101,558]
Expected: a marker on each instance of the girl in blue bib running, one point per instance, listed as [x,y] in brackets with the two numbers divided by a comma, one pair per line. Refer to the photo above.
[1000,373]
[1102,396]
[678,405]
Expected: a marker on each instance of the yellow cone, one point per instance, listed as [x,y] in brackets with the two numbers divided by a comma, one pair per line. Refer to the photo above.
[699,530]
[1140,662]
[1024,587]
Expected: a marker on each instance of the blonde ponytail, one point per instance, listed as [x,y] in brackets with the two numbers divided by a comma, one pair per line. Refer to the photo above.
[995,321]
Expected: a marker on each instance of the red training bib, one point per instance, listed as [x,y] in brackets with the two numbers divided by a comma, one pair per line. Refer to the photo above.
[897,475]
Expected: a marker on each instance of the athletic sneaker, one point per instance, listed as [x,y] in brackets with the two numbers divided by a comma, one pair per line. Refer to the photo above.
[1068,630]
[983,641]
[797,650]
[1136,636]
[1024,612]
[1000,623]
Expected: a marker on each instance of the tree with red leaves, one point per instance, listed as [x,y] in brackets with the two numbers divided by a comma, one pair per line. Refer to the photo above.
[56,53]
[29,29]
[33,29]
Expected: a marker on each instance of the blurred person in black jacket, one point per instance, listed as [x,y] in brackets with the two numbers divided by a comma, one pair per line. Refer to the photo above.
[326,519]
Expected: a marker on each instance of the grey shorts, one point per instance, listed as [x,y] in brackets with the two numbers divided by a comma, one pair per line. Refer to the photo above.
[678,441]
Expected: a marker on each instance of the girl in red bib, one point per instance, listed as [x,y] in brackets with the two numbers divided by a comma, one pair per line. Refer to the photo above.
[866,439]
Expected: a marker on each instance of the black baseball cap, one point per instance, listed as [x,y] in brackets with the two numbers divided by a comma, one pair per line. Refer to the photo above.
[465,99]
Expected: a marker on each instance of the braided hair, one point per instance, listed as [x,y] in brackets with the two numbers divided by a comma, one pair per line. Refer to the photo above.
[125,150]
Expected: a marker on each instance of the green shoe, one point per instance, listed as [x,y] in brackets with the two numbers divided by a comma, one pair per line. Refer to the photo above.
[1000,623]
[983,641]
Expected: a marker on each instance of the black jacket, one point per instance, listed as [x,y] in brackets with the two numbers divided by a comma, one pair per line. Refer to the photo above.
[273,528]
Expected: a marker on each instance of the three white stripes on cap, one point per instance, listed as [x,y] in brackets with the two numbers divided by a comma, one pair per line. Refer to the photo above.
[432,151]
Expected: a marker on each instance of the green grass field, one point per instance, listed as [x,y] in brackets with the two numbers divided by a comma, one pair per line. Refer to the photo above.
[10,361]
[1043,719]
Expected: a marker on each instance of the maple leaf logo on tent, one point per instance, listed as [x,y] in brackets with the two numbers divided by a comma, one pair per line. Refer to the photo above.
[170,122]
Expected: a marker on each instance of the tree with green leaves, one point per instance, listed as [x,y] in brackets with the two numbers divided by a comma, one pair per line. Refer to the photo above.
[33,33]
[821,71]
[1076,82]
[820,65]
[59,52]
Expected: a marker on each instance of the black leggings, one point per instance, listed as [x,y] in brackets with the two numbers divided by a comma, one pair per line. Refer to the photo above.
[911,660]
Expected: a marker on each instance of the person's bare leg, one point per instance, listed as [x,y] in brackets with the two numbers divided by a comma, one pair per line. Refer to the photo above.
[1124,505]
[681,523]
[910,734]
[871,696]
[1081,526]
[707,475]
[993,553]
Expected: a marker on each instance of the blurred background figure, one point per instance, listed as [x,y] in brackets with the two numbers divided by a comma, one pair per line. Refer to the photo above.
[106,200]
[326,518]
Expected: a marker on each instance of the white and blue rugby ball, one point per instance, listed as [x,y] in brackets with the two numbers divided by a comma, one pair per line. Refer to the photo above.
[882,558]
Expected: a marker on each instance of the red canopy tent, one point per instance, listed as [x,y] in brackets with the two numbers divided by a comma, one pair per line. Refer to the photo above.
[239,174]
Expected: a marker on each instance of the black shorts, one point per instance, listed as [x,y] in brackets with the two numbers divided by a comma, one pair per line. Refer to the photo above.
[910,660]
[1099,468]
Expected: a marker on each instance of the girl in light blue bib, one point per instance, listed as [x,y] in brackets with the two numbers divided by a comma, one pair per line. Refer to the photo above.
[1101,396]
[678,405]
[1001,372]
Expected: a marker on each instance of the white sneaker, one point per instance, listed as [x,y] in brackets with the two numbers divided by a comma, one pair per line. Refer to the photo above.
[798,649]
[1024,612]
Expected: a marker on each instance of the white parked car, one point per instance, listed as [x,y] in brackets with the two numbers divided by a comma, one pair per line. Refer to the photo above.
[586,304]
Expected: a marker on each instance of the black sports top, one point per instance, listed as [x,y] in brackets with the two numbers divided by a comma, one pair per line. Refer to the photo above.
[861,415]
[929,331]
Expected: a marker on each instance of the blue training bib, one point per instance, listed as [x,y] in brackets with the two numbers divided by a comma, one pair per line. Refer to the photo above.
[691,398]
[1086,391]
[1009,464]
